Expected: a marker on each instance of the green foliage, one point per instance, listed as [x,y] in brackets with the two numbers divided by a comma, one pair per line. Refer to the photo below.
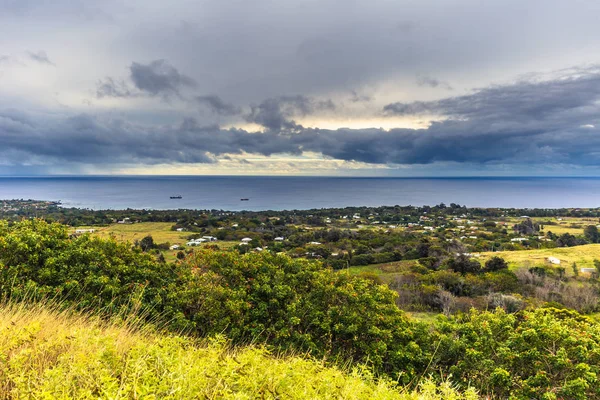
[463,264]
[295,303]
[495,264]
[532,354]
[147,243]
[591,233]
[287,303]
[41,260]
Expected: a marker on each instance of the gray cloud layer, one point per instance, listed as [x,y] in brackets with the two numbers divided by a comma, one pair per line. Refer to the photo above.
[159,78]
[534,122]
[217,105]
[277,113]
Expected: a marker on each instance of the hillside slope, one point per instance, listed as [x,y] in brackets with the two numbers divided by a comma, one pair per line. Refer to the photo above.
[47,354]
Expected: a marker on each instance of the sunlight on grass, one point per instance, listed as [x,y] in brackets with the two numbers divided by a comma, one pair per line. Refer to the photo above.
[48,354]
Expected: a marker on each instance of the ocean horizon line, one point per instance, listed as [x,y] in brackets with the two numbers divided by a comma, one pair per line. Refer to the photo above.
[306,176]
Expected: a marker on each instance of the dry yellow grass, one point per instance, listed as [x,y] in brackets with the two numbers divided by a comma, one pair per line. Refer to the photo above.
[160,231]
[582,255]
[563,224]
[51,355]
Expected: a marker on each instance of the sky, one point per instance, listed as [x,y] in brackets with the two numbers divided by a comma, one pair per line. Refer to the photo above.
[327,87]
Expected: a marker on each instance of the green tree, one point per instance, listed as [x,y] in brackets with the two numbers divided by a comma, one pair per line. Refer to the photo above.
[463,264]
[591,233]
[147,243]
[495,264]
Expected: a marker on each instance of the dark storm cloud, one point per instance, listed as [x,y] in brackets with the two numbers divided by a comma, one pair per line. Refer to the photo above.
[277,113]
[528,122]
[525,101]
[217,105]
[40,56]
[159,78]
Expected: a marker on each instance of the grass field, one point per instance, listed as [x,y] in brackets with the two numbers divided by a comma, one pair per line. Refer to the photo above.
[582,255]
[563,224]
[160,231]
[385,272]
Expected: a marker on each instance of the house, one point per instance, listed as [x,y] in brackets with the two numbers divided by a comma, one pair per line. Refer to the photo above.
[81,231]
[553,260]
[210,238]
[174,247]
[180,229]
[315,243]
[589,270]
[192,243]
[518,239]
[125,221]
[246,240]
[279,239]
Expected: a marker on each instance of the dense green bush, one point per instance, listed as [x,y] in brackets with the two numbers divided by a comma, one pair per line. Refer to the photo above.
[295,303]
[41,259]
[540,354]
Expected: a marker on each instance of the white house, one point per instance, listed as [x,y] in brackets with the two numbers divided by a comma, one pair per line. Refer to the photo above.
[192,243]
[174,247]
[210,238]
[85,230]
[315,243]
[246,240]
[518,239]
[553,260]
[279,239]
[180,229]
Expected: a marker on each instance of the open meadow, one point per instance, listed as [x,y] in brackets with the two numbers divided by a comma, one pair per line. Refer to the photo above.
[583,256]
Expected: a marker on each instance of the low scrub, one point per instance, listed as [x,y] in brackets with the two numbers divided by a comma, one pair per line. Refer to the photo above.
[48,354]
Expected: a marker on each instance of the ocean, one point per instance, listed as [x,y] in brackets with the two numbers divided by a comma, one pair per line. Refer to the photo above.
[288,193]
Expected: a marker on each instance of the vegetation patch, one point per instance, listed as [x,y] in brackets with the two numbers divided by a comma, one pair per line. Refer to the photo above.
[49,354]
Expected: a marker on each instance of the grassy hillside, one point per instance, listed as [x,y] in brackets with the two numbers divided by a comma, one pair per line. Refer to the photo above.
[160,231]
[47,354]
[582,255]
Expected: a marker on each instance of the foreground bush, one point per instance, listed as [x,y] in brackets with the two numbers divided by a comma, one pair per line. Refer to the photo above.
[539,354]
[296,304]
[45,354]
